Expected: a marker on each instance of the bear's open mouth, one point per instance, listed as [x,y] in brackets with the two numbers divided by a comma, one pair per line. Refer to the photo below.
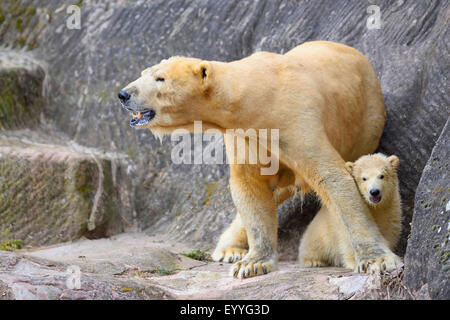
[141,118]
[375,199]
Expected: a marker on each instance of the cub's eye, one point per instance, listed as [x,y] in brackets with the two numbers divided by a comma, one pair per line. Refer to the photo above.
[364,179]
[381,177]
[160,79]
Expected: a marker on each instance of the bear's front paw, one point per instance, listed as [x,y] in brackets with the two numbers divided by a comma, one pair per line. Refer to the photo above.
[252,267]
[385,262]
[229,255]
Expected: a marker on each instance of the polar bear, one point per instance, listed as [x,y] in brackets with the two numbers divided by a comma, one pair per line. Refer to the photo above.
[325,241]
[325,100]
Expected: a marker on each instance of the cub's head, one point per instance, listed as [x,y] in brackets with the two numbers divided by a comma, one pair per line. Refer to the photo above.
[170,95]
[376,177]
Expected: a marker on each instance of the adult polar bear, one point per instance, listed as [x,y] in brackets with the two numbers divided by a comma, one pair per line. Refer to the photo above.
[326,101]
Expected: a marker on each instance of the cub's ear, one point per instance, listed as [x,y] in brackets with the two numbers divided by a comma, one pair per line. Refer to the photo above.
[394,160]
[203,71]
[349,167]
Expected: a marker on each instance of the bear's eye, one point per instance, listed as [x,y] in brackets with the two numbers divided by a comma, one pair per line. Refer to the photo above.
[160,79]
[364,179]
[381,177]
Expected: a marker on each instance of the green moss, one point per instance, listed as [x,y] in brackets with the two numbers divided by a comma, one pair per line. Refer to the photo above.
[103,95]
[32,45]
[83,183]
[21,42]
[11,245]
[84,190]
[163,272]
[210,188]
[445,256]
[23,19]
[2,17]
[197,255]
[132,152]
[18,93]
[19,26]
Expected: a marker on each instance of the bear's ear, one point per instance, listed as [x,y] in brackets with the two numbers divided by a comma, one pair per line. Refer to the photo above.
[349,167]
[394,160]
[203,72]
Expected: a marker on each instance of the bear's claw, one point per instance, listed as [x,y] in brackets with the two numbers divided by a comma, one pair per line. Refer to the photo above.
[384,263]
[229,255]
[248,268]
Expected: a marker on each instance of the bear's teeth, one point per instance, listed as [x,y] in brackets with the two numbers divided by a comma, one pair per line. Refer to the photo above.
[138,115]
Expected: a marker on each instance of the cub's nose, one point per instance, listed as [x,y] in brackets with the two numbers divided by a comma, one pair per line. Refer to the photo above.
[124,96]
[374,192]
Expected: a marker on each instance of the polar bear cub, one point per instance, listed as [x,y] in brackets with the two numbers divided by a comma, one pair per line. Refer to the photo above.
[325,242]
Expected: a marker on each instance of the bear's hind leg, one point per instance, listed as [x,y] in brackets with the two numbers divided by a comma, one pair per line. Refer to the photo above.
[314,247]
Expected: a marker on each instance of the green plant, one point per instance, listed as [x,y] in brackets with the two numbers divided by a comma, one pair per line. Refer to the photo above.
[198,255]
[163,272]
[11,245]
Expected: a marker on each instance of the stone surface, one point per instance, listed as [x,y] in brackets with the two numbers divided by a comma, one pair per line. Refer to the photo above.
[427,256]
[136,266]
[117,255]
[51,194]
[126,267]
[21,88]
[26,280]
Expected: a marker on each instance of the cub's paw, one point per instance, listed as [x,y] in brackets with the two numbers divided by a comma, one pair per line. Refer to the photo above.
[229,255]
[385,262]
[251,267]
[312,263]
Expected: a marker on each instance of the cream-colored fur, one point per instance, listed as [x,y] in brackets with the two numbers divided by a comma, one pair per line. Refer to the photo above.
[325,241]
[326,101]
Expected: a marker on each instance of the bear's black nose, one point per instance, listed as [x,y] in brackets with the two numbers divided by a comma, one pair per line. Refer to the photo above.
[124,96]
[374,192]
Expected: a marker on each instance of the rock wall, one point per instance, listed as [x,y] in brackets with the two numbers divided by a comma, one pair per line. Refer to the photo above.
[86,67]
[51,194]
[21,87]
[427,260]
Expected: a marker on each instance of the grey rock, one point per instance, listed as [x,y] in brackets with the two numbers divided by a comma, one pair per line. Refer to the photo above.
[21,87]
[427,256]
[118,255]
[132,274]
[136,266]
[31,281]
[51,194]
